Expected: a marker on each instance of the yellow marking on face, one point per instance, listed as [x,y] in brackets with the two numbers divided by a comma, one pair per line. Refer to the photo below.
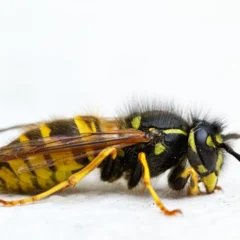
[151,129]
[45,130]
[120,153]
[23,138]
[136,122]
[159,148]
[202,169]
[175,131]
[82,125]
[210,182]
[218,138]
[219,161]
[191,141]
[210,142]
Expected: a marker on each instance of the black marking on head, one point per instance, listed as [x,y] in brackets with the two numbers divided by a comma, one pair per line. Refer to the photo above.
[205,139]
[207,154]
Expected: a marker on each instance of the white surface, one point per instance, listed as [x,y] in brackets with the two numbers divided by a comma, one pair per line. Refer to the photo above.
[59,58]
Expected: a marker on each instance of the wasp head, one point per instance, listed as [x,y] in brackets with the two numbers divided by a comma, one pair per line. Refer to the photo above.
[204,153]
[205,144]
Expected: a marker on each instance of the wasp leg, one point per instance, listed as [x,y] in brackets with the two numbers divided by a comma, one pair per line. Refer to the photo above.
[179,176]
[174,181]
[193,187]
[147,182]
[72,180]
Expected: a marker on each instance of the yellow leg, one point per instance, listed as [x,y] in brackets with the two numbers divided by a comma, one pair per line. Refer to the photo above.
[72,180]
[193,188]
[147,182]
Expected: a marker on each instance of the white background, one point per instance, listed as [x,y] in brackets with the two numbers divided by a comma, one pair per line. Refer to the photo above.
[61,58]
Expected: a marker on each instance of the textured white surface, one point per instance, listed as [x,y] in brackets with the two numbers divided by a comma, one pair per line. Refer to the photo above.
[110,211]
[58,58]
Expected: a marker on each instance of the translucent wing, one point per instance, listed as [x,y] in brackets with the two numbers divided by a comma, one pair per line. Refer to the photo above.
[20,126]
[81,146]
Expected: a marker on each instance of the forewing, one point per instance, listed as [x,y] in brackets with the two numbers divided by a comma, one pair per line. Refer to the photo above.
[81,146]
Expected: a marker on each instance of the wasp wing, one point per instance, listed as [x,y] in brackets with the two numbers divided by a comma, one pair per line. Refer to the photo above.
[21,127]
[61,147]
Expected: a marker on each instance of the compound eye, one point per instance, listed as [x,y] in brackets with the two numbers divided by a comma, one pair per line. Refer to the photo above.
[206,149]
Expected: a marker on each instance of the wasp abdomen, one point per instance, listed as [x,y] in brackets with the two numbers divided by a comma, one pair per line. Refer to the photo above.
[43,171]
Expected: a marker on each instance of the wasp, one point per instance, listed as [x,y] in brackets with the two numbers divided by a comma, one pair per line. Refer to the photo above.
[51,156]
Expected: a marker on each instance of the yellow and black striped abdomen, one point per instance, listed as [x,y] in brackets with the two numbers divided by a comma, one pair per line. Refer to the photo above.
[41,172]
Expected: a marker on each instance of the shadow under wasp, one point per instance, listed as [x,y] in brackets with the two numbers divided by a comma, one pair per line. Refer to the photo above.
[54,155]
